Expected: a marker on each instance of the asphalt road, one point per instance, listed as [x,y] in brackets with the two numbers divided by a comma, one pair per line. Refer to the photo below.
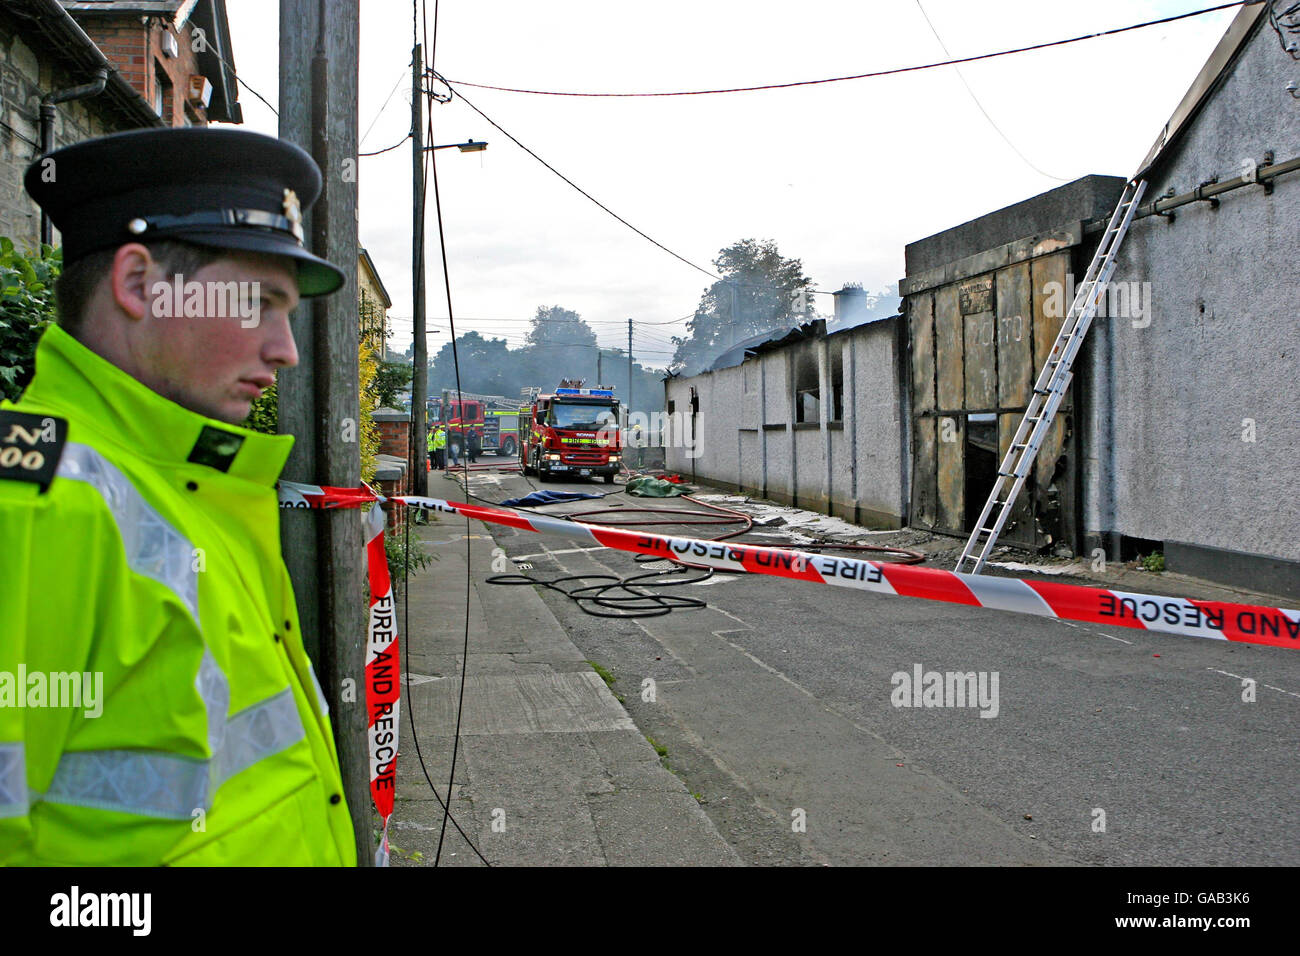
[776,705]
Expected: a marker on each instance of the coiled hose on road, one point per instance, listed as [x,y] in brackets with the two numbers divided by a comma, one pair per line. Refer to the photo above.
[605,600]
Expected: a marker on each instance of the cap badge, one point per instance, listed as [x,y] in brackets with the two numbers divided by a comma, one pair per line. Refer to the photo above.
[293,212]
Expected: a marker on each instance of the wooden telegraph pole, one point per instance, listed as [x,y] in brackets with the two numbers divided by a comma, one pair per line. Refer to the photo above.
[319,400]
[420,360]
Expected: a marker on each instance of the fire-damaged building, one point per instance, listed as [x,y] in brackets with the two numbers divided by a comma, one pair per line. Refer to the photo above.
[1180,430]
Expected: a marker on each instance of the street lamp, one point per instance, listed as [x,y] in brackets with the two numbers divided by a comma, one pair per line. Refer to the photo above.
[467,147]
[420,357]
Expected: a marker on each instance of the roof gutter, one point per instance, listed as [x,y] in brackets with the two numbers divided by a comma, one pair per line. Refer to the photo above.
[76,47]
[48,102]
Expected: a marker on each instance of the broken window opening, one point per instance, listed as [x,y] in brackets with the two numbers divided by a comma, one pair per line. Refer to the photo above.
[807,389]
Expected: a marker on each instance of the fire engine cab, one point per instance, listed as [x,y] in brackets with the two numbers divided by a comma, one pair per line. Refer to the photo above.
[572,431]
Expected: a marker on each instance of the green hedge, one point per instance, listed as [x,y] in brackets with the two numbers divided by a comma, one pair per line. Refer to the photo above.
[26,308]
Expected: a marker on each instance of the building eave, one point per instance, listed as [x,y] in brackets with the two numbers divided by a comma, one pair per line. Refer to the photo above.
[369,264]
[79,55]
[1212,74]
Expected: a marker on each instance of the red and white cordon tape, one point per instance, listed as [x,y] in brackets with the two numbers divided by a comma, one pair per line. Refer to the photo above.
[382,671]
[1217,620]
[383,676]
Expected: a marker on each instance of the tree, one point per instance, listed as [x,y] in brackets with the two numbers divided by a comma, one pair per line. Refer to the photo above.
[760,290]
[554,325]
[484,366]
[390,379]
[559,345]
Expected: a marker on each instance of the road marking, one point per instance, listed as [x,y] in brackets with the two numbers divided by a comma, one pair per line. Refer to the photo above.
[1098,633]
[1240,677]
[549,553]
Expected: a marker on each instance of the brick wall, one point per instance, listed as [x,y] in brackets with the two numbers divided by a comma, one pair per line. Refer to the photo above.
[134,45]
[394,431]
[394,438]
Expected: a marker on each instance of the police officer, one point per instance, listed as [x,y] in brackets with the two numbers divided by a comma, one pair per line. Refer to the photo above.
[170,713]
[438,446]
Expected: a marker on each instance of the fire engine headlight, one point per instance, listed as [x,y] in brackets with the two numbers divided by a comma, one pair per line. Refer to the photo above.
[552,457]
[613,458]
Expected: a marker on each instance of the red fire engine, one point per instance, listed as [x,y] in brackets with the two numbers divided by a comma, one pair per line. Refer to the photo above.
[493,418]
[572,431]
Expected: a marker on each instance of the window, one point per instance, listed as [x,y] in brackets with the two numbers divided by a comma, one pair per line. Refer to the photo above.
[580,416]
[162,93]
[837,382]
[807,391]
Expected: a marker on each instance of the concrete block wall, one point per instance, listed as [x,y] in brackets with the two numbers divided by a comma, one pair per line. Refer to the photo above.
[1194,433]
[749,440]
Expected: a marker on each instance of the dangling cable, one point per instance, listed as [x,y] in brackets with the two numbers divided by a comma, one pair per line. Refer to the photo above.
[432,162]
[406,574]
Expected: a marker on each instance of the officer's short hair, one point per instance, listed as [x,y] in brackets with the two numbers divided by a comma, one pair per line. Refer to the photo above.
[78,282]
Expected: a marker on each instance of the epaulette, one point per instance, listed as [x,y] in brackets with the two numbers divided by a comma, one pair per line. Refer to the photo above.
[31,446]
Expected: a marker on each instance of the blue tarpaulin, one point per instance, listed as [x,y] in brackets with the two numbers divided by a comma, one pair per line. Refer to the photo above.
[548,498]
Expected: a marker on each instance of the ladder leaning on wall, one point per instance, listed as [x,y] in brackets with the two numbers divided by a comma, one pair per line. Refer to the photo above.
[1050,388]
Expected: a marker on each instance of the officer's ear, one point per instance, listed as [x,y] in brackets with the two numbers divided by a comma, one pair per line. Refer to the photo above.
[132,275]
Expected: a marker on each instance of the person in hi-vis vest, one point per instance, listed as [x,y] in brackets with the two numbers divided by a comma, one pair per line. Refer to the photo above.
[181,722]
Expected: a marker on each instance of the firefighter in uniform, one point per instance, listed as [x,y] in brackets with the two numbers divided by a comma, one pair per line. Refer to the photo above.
[156,703]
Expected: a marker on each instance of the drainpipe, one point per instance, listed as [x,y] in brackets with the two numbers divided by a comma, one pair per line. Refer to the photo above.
[48,102]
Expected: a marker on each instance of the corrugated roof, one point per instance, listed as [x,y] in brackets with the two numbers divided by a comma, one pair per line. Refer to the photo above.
[765,342]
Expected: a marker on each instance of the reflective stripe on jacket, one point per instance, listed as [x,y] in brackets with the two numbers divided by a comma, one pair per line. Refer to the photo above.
[150,568]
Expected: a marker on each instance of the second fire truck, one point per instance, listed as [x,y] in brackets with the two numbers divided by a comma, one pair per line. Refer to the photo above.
[494,418]
[571,431]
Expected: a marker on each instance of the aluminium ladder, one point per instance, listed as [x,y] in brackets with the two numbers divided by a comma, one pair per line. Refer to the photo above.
[1050,388]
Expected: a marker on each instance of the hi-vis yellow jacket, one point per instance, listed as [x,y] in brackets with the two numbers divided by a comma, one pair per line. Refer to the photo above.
[140,554]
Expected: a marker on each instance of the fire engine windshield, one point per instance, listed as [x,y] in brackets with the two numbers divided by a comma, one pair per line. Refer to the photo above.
[580,416]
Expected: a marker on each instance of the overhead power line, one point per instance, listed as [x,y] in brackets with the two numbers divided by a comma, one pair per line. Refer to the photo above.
[579,188]
[980,106]
[865,76]
[389,99]
[387,149]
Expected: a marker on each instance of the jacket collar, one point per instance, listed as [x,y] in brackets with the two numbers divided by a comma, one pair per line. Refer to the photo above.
[97,396]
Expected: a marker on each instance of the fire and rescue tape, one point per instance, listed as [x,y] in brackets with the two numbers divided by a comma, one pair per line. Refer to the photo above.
[382,671]
[1216,620]
[383,676]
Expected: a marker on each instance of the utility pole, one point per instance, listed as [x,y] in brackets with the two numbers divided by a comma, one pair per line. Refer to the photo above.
[735,314]
[629,365]
[599,355]
[319,400]
[420,378]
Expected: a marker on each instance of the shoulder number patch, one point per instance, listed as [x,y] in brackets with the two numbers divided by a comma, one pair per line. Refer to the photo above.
[31,446]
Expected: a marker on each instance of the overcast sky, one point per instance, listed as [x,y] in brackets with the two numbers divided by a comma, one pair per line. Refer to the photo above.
[840,175]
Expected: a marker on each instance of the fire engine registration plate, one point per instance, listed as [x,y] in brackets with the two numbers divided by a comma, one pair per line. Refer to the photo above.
[584,471]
